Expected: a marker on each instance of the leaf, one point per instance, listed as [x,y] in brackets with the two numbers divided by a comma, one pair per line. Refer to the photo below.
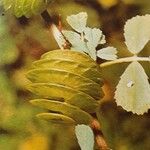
[137,33]
[7,4]
[93,37]
[92,71]
[85,137]
[18,8]
[133,90]
[71,111]
[79,68]
[78,22]
[25,7]
[64,93]
[56,118]
[75,39]
[108,53]
[59,37]
[74,81]
[38,6]
[69,55]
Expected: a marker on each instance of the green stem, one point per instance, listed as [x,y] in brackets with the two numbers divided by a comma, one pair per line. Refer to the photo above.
[122,60]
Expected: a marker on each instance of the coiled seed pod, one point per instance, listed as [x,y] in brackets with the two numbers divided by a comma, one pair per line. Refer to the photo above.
[69,85]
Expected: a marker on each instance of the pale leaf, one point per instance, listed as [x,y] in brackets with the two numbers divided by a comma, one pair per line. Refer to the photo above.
[75,39]
[85,137]
[78,22]
[58,36]
[137,33]
[108,53]
[91,51]
[133,90]
[93,37]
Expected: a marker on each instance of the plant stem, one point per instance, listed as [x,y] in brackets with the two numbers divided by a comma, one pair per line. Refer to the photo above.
[62,42]
[47,18]
[99,137]
[127,59]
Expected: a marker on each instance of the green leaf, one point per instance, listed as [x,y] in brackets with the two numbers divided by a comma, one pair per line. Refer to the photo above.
[7,4]
[71,111]
[18,5]
[85,137]
[133,90]
[75,39]
[64,93]
[38,6]
[78,22]
[25,7]
[137,33]
[108,53]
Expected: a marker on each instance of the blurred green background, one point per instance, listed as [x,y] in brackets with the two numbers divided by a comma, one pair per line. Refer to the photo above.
[24,40]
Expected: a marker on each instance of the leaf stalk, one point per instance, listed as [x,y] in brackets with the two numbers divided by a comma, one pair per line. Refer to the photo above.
[123,60]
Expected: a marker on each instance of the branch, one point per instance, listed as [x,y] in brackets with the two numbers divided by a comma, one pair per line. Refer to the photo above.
[99,137]
[127,59]
[47,18]
[62,42]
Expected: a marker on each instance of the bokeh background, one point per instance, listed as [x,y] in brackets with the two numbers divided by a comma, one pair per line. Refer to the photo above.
[24,40]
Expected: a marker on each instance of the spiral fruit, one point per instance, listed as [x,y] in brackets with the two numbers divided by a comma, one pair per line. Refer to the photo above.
[68,84]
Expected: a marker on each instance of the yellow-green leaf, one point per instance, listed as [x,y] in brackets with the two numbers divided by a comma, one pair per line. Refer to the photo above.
[71,111]
[67,79]
[25,7]
[7,4]
[64,93]
[133,90]
[56,118]
[70,55]
[79,68]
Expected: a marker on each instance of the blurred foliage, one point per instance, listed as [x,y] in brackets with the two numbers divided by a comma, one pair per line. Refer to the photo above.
[23,40]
